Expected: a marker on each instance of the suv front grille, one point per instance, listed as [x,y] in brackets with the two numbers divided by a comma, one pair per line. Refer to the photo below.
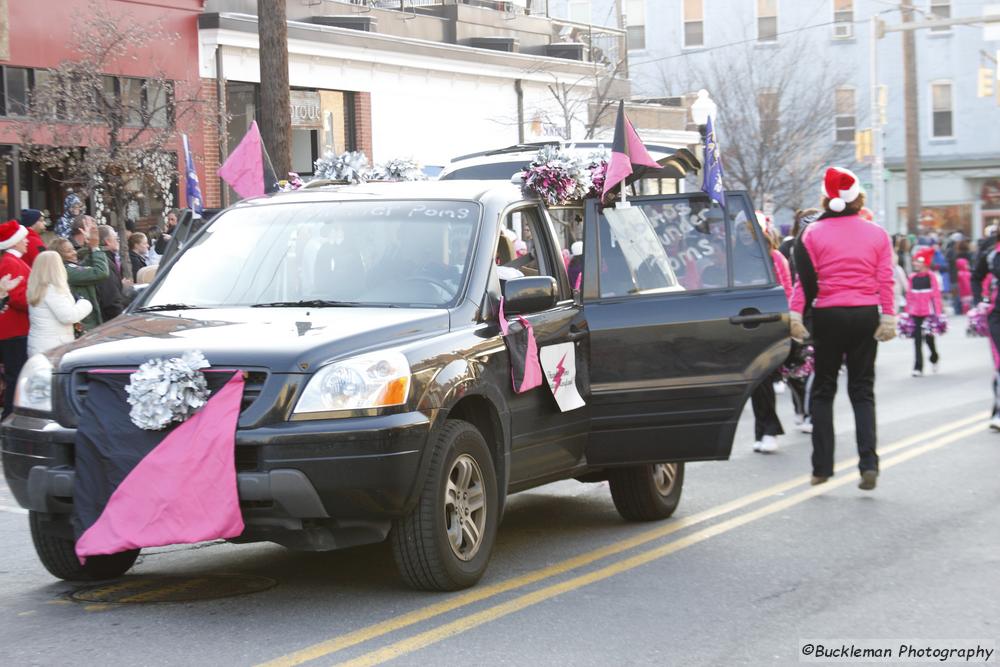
[254,380]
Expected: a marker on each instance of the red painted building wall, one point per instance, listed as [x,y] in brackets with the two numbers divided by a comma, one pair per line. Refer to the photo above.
[40,34]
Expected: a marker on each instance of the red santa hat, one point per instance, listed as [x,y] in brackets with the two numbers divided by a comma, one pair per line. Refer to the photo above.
[926,254]
[841,186]
[11,233]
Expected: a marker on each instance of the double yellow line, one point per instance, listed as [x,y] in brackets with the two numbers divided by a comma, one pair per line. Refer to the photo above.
[948,434]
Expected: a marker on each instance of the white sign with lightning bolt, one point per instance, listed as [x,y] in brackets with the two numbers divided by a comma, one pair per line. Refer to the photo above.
[559,367]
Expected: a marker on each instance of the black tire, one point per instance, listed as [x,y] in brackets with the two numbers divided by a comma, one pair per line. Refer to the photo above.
[420,541]
[59,558]
[639,497]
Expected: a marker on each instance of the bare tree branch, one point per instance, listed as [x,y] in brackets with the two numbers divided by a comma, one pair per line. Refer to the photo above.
[109,135]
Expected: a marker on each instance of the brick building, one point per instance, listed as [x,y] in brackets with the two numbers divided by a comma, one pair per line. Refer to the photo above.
[38,35]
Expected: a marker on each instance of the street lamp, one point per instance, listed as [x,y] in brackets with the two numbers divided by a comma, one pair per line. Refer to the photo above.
[701,109]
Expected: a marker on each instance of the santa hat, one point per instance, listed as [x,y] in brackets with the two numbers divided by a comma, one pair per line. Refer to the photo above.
[841,186]
[11,233]
[926,254]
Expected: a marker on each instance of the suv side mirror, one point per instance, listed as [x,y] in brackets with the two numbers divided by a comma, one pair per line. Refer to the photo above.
[529,295]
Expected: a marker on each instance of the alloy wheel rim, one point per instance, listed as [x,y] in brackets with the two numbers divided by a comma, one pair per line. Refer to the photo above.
[465,507]
[664,477]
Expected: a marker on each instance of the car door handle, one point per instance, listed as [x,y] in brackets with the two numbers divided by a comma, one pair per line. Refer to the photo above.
[754,318]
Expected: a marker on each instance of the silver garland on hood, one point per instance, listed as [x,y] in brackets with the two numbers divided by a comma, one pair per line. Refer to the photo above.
[162,391]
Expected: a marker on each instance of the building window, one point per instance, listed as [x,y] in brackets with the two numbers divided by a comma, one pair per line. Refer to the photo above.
[16,88]
[579,11]
[942,109]
[635,16]
[767,112]
[694,23]
[940,9]
[843,19]
[767,20]
[845,118]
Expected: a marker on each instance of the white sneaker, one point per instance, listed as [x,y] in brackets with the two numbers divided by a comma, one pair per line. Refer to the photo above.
[768,444]
[995,423]
[935,367]
[917,374]
[806,426]
[757,445]
[799,420]
[779,387]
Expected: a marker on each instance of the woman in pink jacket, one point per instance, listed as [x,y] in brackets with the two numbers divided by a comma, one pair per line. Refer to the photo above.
[923,298]
[844,265]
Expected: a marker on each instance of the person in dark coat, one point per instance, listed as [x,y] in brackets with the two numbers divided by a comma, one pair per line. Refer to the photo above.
[138,246]
[113,293]
[164,239]
[33,220]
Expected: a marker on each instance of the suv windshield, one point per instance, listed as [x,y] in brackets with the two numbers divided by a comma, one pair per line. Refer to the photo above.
[402,253]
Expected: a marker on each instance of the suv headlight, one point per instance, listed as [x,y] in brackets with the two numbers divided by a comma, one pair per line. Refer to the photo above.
[34,385]
[377,380]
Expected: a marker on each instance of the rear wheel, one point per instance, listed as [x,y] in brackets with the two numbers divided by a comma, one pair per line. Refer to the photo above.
[647,492]
[446,541]
[59,557]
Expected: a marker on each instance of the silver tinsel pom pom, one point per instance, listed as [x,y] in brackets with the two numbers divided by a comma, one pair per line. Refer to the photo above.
[162,391]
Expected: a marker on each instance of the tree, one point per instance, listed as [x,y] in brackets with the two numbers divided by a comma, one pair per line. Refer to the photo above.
[588,100]
[275,118]
[776,118]
[104,135]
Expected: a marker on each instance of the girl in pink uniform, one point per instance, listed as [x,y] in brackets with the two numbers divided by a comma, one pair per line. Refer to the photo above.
[923,298]
[845,275]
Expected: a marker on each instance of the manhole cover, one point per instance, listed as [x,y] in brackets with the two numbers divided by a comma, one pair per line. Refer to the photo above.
[174,589]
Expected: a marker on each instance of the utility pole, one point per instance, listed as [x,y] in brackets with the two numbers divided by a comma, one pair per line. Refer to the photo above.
[910,104]
[275,116]
[911,115]
[878,160]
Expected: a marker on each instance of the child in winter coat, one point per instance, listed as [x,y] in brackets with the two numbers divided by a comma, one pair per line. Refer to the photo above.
[964,278]
[923,298]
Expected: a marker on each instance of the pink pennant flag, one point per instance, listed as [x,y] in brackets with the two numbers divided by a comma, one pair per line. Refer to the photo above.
[183,491]
[627,150]
[245,169]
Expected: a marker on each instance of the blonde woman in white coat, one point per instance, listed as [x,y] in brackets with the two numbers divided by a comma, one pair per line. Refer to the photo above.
[52,310]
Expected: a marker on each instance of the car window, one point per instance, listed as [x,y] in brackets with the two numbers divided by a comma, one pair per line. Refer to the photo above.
[413,253]
[693,236]
[521,250]
[633,260]
[750,259]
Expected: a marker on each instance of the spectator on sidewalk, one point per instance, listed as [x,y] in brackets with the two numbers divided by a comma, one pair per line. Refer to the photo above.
[14,317]
[114,292]
[85,274]
[33,220]
[138,246]
[52,309]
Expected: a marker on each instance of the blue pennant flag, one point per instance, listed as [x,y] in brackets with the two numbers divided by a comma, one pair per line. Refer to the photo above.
[194,199]
[711,184]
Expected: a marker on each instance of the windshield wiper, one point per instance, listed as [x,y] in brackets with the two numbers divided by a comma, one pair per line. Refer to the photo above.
[166,306]
[307,303]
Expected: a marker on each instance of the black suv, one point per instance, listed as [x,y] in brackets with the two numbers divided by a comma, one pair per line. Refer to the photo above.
[676,319]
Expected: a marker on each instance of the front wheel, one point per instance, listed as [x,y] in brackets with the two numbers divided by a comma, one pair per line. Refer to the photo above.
[647,492]
[445,543]
[59,557]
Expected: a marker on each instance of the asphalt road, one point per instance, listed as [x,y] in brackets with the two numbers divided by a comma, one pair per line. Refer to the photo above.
[754,564]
